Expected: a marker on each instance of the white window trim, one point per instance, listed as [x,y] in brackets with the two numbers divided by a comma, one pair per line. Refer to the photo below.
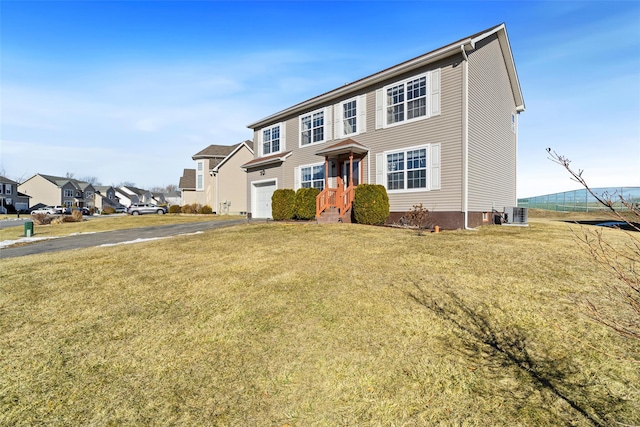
[261,139]
[200,175]
[432,99]
[297,171]
[433,168]
[7,189]
[327,125]
[514,123]
[65,192]
[361,116]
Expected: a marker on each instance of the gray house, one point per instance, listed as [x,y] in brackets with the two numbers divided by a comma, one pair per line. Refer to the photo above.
[440,129]
[11,199]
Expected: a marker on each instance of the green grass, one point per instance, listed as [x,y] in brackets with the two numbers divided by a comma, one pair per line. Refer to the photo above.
[106,223]
[299,324]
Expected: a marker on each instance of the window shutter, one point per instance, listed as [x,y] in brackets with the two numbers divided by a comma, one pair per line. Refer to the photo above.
[379,111]
[380,169]
[296,178]
[435,166]
[283,145]
[328,124]
[362,113]
[337,123]
[435,92]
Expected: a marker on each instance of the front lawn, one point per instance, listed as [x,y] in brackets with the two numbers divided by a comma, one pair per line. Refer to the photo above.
[299,324]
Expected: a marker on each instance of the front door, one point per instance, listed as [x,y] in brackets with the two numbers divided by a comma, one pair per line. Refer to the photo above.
[356,172]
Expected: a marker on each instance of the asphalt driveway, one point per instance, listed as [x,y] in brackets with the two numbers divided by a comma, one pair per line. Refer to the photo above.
[112,237]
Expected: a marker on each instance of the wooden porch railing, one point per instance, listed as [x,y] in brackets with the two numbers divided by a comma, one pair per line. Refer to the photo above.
[339,198]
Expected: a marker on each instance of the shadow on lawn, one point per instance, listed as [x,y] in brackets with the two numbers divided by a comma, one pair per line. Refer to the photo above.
[500,349]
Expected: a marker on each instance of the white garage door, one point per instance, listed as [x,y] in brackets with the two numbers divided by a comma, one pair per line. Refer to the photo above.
[262,199]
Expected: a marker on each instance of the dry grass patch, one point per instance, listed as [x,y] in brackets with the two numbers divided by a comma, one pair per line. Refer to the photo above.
[300,324]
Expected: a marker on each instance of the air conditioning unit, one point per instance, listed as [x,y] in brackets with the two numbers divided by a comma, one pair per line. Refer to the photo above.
[515,216]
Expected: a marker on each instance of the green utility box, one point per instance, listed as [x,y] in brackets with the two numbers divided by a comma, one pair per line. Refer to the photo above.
[28,229]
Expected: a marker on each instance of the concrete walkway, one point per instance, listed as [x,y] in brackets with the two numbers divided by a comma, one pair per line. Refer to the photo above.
[113,237]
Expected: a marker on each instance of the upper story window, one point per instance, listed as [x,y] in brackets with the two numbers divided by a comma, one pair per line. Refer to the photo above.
[413,169]
[200,175]
[68,192]
[312,128]
[271,139]
[514,123]
[7,189]
[409,100]
[88,195]
[351,117]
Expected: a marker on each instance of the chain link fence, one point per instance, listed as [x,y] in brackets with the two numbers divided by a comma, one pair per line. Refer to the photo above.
[581,200]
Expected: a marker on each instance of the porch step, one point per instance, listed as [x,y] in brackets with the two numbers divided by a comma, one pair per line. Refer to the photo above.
[332,216]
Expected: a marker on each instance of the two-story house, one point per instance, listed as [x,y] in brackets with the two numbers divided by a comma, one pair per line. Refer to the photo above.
[58,191]
[105,196]
[218,179]
[440,129]
[11,200]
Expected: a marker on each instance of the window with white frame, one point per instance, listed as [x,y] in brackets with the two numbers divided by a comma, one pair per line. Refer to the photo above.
[2,186]
[271,139]
[88,195]
[68,192]
[68,204]
[312,176]
[312,128]
[7,189]
[411,169]
[514,124]
[200,176]
[409,100]
[350,117]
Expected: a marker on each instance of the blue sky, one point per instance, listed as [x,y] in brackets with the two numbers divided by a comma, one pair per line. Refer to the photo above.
[129,91]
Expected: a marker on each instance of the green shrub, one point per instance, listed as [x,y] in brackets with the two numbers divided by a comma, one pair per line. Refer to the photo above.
[305,203]
[283,205]
[206,209]
[108,210]
[174,209]
[370,204]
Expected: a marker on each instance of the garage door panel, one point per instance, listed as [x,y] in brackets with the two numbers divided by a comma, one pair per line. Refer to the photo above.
[262,198]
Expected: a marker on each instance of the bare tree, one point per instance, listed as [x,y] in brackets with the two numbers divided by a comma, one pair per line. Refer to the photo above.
[70,175]
[621,311]
[93,180]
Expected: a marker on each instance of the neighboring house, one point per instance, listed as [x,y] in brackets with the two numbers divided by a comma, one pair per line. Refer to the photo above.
[219,180]
[440,129]
[10,198]
[173,198]
[129,195]
[158,199]
[106,197]
[56,190]
[187,187]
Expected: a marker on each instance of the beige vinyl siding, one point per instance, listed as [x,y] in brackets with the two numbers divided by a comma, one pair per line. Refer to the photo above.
[232,182]
[444,129]
[42,191]
[492,144]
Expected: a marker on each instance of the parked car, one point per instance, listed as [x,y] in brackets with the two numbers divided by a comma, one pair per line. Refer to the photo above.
[85,211]
[47,210]
[146,208]
[61,209]
[121,209]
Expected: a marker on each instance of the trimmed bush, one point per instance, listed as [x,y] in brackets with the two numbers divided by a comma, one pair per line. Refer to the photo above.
[370,204]
[283,204]
[108,210]
[305,203]
[174,209]
[190,209]
[206,209]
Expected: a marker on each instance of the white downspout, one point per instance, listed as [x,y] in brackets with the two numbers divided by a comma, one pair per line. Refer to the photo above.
[465,137]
